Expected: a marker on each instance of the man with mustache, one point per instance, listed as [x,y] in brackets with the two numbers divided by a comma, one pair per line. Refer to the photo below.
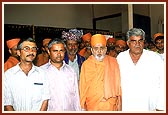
[25,85]
[100,88]
[142,75]
[62,80]
[72,57]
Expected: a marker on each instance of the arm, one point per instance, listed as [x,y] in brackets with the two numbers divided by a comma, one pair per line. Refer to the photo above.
[46,93]
[76,94]
[44,105]
[161,90]
[119,103]
[8,97]
[8,108]
[117,71]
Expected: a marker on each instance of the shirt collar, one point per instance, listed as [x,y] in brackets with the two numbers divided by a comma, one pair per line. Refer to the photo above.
[49,64]
[17,69]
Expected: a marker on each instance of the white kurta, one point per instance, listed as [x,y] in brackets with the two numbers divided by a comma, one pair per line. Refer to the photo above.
[143,83]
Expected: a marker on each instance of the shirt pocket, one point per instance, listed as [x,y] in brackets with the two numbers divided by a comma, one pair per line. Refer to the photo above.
[37,92]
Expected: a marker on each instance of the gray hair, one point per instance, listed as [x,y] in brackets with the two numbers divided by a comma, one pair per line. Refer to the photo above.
[29,39]
[135,32]
[56,41]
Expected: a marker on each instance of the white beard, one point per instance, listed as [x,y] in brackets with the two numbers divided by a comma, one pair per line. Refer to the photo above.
[99,58]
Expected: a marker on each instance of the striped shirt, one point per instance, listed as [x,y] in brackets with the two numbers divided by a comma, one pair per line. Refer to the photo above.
[25,92]
[63,88]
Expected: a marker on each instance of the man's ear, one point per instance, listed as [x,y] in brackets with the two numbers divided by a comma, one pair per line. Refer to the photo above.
[127,43]
[48,51]
[105,49]
[42,48]
[10,51]
[18,52]
[92,50]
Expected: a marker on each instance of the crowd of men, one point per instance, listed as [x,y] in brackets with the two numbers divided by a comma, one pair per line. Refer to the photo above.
[85,72]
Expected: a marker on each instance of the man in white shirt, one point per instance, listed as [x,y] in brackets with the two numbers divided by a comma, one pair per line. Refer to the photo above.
[142,75]
[25,85]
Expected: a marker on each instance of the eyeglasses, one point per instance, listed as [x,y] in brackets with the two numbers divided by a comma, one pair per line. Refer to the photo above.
[99,48]
[135,41]
[27,49]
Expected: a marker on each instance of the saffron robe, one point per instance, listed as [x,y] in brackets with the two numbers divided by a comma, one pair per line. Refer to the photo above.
[42,59]
[100,88]
[12,61]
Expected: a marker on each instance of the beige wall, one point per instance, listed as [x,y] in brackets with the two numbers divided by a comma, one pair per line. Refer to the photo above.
[62,15]
[106,9]
[142,9]
[71,16]
[156,12]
